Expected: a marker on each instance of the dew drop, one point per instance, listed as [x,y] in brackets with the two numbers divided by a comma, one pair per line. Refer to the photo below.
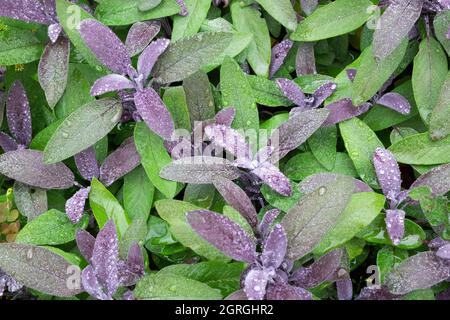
[322,191]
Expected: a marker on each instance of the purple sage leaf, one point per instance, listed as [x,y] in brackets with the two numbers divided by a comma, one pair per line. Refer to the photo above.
[122,161]
[105,258]
[54,30]
[155,114]
[438,179]
[342,110]
[274,248]
[53,70]
[444,252]
[396,102]
[388,172]
[87,164]
[224,234]
[225,116]
[110,83]
[75,205]
[85,243]
[351,74]
[255,284]
[7,143]
[395,225]
[25,10]
[106,46]
[274,178]
[237,198]
[292,91]
[91,284]
[279,53]
[268,219]
[18,114]
[199,170]
[322,93]
[305,61]
[27,166]
[140,35]
[420,271]
[150,55]
[184,12]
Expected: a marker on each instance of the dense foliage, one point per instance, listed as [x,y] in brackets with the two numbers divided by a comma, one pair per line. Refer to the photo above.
[239,149]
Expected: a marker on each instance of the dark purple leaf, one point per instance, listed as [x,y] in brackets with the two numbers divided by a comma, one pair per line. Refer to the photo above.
[199,170]
[274,248]
[7,143]
[140,35]
[284,291]
[388,172]
[237,198]
[438,179]
[421,271]
[436,243]
[344,289]
[292,133]
[326,268]
[292,91]
[395,225]
[279,53]
[155,114]
[18,114]
[122,161]
[105,258]
[224,234]
[396,102]
[184,12]
[305,61]
[54,30]
[53,70]
[75,205]
[268,219]
[150,55]
[87,164]
[110,83]
[106,46]
[255,284]
[444,295]
[229,139]
[274,178]
[444,252]
[394,25]
[133,269]
[342,110]
[85,243]
[27,166]
[225,116]
[91,284]
[322,93]
[26,10]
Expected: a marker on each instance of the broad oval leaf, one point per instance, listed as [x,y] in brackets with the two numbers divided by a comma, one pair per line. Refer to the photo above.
[50,228]
[314,215]
[199,170]
[19,46]
[419,149]
[38,268]
[27,166]
[421,271]
[336,18]
[31,202]
[185,57]
[224,234]
[83,128]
